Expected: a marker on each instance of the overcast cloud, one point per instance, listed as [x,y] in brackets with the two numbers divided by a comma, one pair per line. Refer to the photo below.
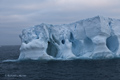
[16,15]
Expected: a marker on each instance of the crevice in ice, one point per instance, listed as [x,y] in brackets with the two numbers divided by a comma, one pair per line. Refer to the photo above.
[25,42]
[63,41]
[110,25]
[112,43]
[71,37]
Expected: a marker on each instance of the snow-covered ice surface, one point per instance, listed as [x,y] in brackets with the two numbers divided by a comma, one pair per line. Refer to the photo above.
[92,38]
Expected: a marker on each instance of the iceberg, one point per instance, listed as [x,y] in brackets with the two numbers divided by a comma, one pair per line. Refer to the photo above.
[92,38]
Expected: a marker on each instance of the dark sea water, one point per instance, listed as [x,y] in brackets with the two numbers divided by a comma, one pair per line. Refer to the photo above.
[56,70]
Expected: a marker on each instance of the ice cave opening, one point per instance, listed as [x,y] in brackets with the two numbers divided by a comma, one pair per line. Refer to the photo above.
[88,45]
[112,43]
[52,50]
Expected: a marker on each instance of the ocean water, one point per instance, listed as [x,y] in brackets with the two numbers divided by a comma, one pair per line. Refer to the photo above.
[56,70]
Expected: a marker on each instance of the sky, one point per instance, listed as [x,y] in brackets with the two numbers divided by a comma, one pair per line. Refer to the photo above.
[16,15]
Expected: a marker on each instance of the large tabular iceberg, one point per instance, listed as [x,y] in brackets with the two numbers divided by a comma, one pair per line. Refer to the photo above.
[92,38]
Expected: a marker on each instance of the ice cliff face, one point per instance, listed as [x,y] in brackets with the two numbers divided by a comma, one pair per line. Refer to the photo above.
[93,38]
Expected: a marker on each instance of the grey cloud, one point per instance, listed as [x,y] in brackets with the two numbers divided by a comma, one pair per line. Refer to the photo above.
[16,15]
